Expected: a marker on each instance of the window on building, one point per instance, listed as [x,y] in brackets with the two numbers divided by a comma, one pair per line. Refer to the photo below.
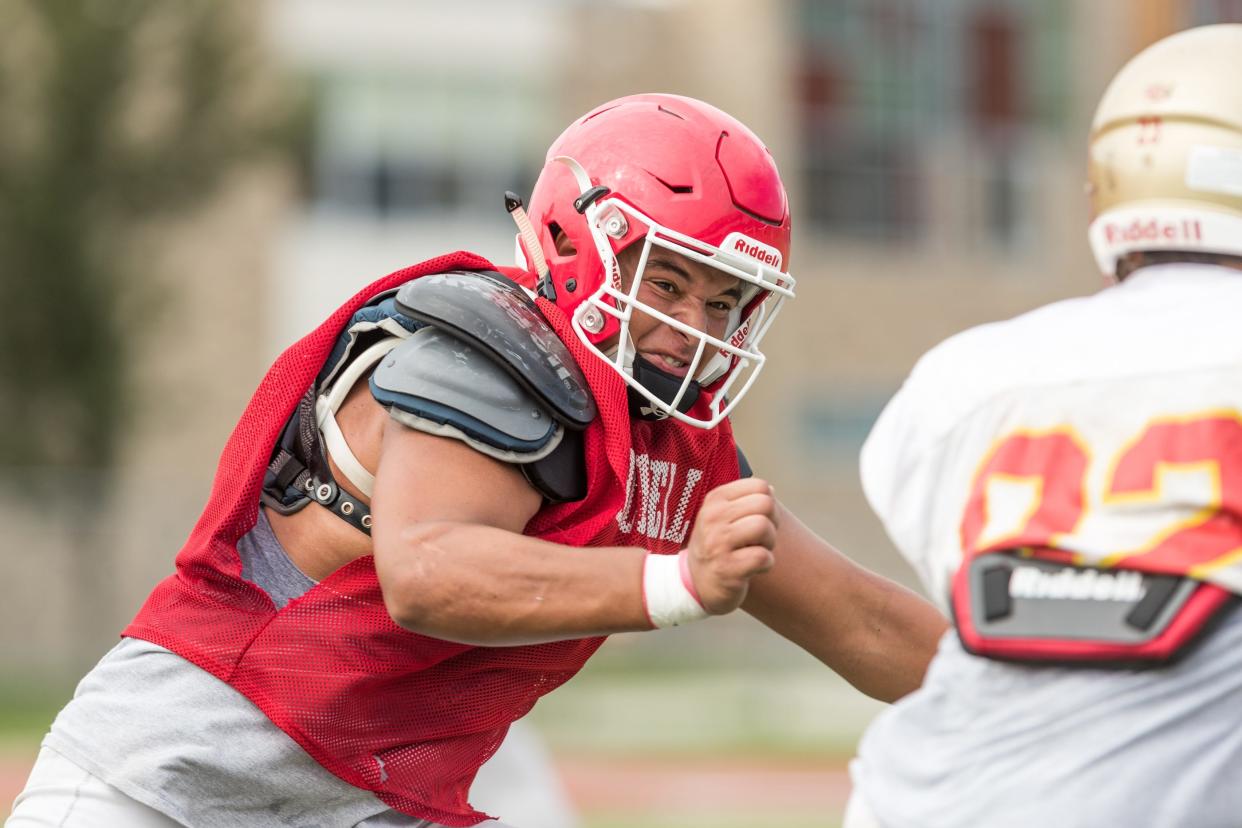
[1204,12]
[832,427]
[393,147]
[904,102]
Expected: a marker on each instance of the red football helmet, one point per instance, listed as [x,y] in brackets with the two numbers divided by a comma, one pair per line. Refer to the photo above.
[677,173]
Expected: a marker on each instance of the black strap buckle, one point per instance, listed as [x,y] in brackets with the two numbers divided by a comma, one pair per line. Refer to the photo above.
[331,496]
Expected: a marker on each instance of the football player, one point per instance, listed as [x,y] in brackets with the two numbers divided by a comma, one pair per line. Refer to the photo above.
[1069,484]
[440,502]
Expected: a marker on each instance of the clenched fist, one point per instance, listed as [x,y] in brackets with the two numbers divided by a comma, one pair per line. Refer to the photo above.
[731,542]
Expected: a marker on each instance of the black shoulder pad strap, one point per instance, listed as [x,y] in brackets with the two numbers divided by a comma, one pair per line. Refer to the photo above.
[493,313]
[743,465]
[560,476]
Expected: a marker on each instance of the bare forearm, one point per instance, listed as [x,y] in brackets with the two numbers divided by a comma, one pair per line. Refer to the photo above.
[875,633]
[889,645]
[487,586]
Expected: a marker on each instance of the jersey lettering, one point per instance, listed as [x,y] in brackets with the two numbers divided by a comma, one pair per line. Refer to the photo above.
[655,486]
[1170,502]
[1016,502]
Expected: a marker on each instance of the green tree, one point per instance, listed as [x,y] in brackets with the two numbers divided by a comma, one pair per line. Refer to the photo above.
[117,112]
[114,114]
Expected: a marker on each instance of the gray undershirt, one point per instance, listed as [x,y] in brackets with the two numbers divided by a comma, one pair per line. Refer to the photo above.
[266,564]
[179,740]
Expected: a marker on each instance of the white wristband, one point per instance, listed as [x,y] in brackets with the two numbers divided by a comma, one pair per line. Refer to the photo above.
[668,592]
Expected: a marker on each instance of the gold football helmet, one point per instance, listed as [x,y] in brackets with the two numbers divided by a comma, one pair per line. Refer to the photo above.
[1165,163]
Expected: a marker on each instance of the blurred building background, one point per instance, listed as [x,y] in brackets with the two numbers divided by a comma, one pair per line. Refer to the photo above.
[934,153]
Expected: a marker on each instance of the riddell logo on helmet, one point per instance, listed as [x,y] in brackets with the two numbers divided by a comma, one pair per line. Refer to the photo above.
[1154,230]
[757,250]
[739,336]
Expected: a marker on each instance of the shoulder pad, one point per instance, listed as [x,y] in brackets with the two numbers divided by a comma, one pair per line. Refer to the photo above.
[493,314]
[435,382]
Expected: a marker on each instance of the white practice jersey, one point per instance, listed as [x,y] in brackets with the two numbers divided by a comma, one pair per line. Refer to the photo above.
[1109,426]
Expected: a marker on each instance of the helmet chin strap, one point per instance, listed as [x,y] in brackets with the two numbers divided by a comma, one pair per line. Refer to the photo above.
[662,385]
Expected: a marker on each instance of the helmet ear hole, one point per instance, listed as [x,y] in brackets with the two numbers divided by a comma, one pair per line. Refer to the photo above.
[564,244]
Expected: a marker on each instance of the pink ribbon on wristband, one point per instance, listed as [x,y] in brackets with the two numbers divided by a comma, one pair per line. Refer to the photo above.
[687,580]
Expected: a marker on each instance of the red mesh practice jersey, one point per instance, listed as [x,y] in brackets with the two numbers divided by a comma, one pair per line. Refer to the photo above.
[404,715]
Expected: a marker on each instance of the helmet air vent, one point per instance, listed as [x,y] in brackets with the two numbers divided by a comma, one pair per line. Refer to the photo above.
[676,188]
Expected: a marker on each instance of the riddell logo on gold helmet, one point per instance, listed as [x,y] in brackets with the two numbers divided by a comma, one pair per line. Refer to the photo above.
[764,254]
[1154,230]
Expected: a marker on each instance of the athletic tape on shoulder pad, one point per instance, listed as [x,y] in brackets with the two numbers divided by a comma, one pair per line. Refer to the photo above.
[493,314]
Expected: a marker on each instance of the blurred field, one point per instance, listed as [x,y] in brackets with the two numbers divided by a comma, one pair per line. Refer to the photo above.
[711,820]
[700,791]
[653,748]
[774,714]
[718,746]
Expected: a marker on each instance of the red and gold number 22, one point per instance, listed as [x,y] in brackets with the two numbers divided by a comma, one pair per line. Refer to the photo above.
[1053,466]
